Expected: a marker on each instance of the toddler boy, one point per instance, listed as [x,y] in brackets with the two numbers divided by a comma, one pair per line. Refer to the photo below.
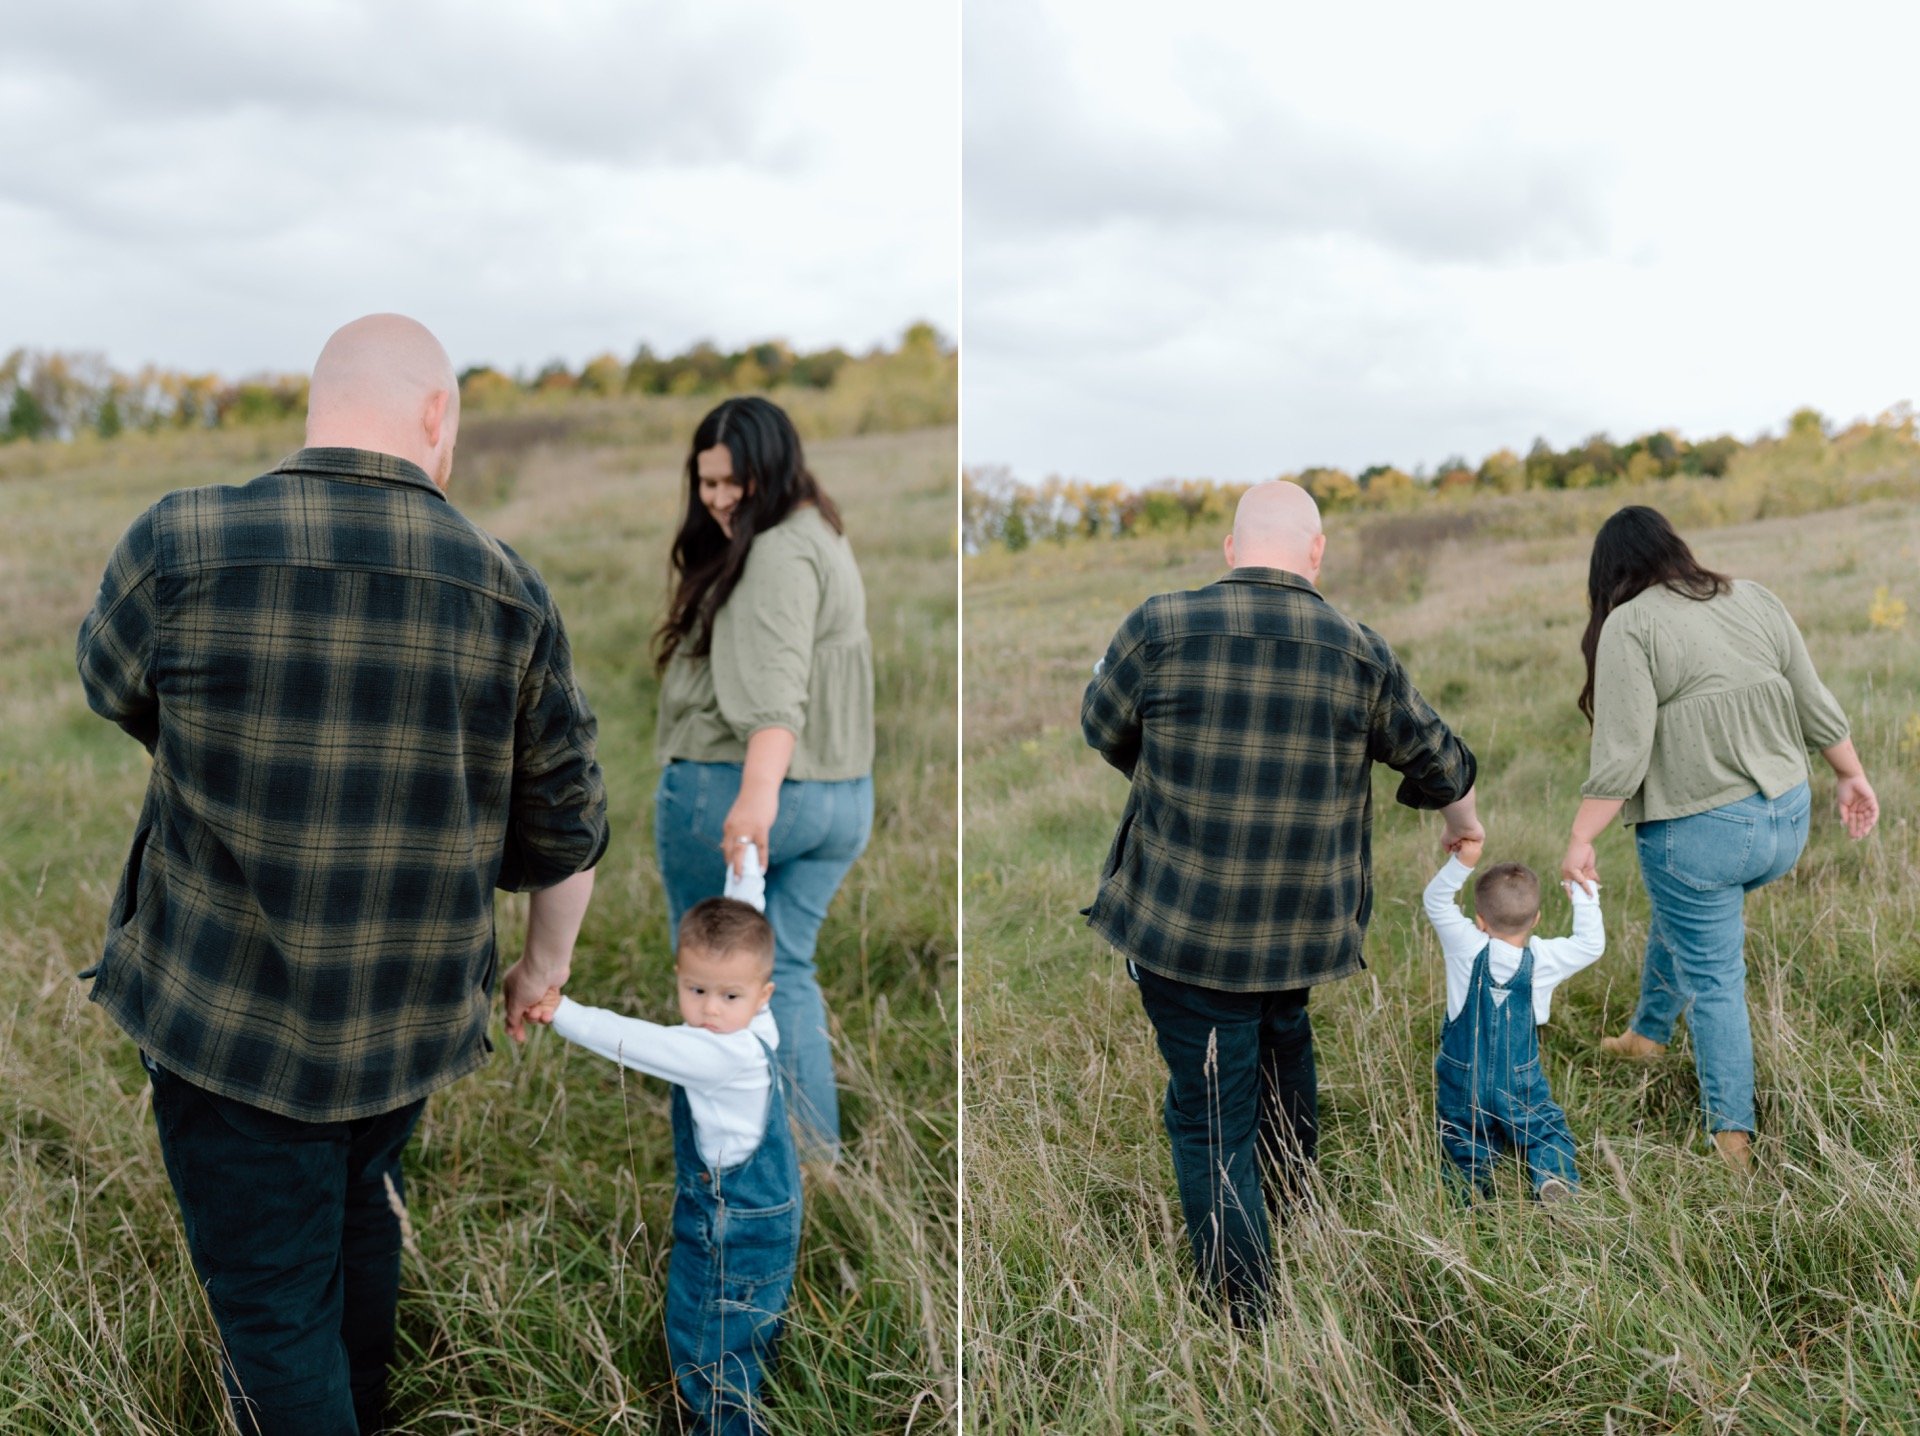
[1489,1086]
[736,1206]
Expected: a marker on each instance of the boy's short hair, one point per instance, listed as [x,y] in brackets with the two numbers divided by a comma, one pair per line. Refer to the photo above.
[727,925]
[1507,897]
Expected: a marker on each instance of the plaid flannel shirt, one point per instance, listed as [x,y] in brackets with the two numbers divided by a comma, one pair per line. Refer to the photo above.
[363,718]
[1249,715]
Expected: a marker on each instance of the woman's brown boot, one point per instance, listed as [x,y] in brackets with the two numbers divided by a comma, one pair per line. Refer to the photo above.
[1632,1045]
[1736,1150]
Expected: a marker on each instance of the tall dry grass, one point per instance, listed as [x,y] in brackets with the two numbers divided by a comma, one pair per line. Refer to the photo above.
[1671,1297]
[540,1187]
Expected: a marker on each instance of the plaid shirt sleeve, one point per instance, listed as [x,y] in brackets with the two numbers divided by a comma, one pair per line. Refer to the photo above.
[558,822]
[1110,711]
[116,643]
[1435,767]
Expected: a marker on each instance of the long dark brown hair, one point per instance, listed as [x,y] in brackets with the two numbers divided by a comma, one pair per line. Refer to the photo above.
[706,563]
[1634,550]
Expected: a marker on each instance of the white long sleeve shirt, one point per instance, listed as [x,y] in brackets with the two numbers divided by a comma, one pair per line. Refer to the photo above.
[725,1074]
[1554,958]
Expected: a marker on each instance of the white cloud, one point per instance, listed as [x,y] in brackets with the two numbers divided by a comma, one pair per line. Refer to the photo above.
[1236,240]
[219,184]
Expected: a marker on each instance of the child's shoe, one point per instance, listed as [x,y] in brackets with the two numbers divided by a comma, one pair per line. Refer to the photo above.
[1553,1191]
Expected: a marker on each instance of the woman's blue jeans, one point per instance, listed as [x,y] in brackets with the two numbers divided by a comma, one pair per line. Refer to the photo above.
[820,830]
[1698,871]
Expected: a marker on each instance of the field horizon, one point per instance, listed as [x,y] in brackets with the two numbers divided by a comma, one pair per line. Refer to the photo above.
[1670,1297]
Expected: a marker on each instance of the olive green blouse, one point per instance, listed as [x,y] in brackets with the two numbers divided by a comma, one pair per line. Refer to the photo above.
[790,650]
[1697,704]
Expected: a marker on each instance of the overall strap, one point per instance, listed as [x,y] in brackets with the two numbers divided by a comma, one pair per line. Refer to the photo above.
[1523,974]
[1482,972]
[776,1093]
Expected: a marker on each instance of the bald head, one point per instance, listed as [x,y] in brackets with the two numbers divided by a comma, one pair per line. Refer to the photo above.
[384,383]
[1277,526]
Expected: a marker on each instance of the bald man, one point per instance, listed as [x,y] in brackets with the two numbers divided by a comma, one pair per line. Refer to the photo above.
[1249,715]
[363,719]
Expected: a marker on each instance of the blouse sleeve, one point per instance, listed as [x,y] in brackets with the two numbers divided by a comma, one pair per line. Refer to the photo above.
[1823,722]
[763,640]
[1624,711]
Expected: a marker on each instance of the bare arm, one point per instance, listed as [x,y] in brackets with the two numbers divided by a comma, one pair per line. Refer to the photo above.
[769,755]
[1579,865]
[1463,823]
[554,916]
[1859,808]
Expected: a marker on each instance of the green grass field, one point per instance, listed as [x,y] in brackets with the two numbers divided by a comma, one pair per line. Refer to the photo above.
[1671,1298]
[540,1187]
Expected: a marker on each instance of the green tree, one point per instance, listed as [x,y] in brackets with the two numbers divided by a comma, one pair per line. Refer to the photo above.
[1331,488]
[554,376]
[603,374]
[1502,472]
[1712,456]
[26,419]
[1386,484]
[1807,425]
[1543,466]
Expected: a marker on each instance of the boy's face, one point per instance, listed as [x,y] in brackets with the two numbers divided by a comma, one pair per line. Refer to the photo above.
[720,991]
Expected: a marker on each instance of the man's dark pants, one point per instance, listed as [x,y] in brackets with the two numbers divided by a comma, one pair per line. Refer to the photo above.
[1242,1113]
[296,1241]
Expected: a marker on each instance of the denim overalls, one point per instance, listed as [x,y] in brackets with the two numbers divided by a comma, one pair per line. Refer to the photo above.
[736,1235]
[1489,1088]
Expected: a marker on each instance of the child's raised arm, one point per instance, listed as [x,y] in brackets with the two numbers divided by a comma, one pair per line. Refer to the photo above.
[687,1056]
[1555,959]
[1589,938]
[1460,940]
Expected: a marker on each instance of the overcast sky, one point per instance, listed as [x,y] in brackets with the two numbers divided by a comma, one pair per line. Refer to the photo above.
[217,184]
[1233,240]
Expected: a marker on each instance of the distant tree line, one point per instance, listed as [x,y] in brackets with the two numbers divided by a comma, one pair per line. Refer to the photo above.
[57,395]
[999,509]
[54,395]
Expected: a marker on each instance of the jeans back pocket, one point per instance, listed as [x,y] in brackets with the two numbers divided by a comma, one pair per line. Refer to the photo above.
[1711,850]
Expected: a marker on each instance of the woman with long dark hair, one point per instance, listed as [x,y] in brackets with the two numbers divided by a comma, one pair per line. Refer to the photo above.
[1704,705]
[766,715]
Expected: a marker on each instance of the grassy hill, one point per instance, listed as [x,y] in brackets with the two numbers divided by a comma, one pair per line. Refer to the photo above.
[1671,1297]
[540,1187]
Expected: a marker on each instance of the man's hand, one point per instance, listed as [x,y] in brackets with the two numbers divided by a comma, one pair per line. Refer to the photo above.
[529,996]
[1468,852]
[554,916]
[1859,808]
[1463,823]
[543,1010]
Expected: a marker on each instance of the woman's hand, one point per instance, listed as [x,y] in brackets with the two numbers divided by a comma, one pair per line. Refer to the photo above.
[748,821]
[1859,808]
[1580,865]
[769,755]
